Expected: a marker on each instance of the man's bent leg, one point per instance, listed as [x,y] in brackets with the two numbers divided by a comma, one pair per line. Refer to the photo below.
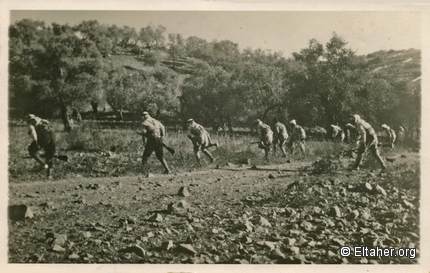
[211,158]
[49,158]
[160,156]
[375,152]
[33,149]
[360,153]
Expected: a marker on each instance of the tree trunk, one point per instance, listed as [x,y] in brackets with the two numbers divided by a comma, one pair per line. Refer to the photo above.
[65,117]
[230,126]
[121,116]
[94,105]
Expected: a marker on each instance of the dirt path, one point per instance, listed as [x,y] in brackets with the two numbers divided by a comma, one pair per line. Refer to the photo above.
[228,215]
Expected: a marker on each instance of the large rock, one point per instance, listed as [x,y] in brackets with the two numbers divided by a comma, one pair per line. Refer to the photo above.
[20,212]
[261,221]
[183,191]
[179,207]
[139,251]
[156,218]
[167,245]
[335,212]
[186,248]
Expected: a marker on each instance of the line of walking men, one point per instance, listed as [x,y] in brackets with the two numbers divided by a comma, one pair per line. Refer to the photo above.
[153,132]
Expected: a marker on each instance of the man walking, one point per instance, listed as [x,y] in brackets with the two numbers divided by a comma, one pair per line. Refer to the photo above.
[366,140]
[338,134]
[201,140]
[266,137]
[153,132]
[391,135]
[298,136]
[281,136]
[43,137]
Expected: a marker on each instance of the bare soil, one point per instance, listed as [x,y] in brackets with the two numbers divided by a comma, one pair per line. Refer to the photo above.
[233,214]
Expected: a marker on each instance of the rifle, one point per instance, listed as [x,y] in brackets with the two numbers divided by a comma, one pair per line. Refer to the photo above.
[260,144]
[59,157]
[171,150]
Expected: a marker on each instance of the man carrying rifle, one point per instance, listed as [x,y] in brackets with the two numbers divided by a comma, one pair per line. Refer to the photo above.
[43,137]
[152,133]
[266,137]
[201,139]
[366,140]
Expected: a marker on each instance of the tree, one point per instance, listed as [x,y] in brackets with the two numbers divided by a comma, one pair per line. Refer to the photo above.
[58,70]
[176,47]
[335,84]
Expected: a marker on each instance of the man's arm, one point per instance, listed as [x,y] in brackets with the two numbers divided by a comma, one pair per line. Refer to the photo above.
[361,134]
[32,133]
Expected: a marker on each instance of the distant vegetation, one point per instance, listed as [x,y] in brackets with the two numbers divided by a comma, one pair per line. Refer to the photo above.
[56,70]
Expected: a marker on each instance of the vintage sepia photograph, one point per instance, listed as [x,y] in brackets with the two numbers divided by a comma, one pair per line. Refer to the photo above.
[214,137]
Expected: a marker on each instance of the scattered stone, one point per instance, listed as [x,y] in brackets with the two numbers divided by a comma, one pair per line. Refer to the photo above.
[335,212]
[20,212]
[380,190]
[32,195]
[49,205]
[246,240]
[408,204]
[254,167]
[368,187]
[99,229]
[343,192]
[74,256]
[149,175]
[365,215]
[263,222]
[271,176]
[132,220]
[353,215]
[186,248]
[340,242]
[59,239]
[181,206]
[290,241]
[167,245]
[277,254]
[307,226]
[294,250]
[156,218]
[139,251]
[317,210]
[403,156]
[270,245]
[240,261]
[183,191]
[85,234]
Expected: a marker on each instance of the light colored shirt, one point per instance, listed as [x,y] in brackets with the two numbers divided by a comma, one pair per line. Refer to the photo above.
[364,129]
[152,127]
[281,131]
[195,129]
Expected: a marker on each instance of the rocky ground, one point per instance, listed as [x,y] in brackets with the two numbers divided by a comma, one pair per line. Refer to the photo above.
[239,214]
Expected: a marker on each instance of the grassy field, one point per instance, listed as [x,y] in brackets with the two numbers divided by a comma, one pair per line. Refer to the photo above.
[97,151]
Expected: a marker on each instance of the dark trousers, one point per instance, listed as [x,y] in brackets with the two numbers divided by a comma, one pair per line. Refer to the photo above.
[49,149]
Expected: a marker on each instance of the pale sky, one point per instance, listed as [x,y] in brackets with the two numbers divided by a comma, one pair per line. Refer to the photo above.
[286,31]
